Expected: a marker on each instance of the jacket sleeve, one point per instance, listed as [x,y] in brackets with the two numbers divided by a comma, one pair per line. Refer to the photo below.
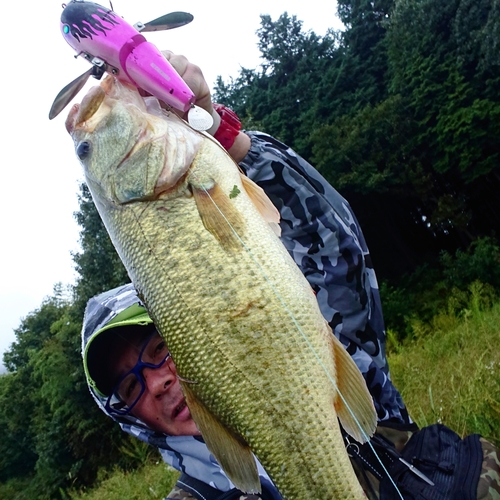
[322,235]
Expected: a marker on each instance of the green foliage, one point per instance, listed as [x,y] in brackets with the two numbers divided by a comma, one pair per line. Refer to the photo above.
[400,111]
[53,436]
[481,261]
[17,450]
[450,373]
[153,481]
[366,151]
[74,437]
[362,76]
[135,452]
[19,391]
[17,489]
[98,264]
[51,425]
[35,330]
[281,97]
[437,65]
[443,290]
[420,294]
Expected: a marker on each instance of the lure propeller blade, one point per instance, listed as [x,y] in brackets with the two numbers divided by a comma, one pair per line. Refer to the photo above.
[168,21]
[68,93]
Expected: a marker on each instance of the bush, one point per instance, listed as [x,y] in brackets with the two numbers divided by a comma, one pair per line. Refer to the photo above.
[445,288]
[153,481]
[450,371]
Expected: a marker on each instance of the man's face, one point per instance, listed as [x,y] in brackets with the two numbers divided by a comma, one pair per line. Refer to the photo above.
[162,405]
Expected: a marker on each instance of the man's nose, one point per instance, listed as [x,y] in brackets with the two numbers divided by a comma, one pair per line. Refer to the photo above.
[159,380]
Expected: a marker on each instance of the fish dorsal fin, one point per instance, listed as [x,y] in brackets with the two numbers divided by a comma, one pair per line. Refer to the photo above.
[233,455]
[218,214]
[263,204]
[352,386]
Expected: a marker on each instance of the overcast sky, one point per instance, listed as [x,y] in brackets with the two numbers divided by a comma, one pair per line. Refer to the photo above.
[40,172]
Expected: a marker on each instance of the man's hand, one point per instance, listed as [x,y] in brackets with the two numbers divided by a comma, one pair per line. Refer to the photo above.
[195,80]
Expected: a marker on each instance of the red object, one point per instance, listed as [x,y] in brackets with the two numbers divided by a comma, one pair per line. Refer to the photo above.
[229,127]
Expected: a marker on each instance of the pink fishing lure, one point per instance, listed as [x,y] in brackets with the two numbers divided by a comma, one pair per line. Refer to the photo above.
[98,32]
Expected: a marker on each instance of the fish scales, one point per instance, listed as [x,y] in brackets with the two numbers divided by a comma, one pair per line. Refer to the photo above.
[242,323]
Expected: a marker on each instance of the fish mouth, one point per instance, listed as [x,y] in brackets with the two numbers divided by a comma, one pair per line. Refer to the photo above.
[99,101]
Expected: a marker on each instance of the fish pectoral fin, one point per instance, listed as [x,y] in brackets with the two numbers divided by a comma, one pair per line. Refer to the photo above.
[232,453]
[219,216]
[262,203]
[355,411]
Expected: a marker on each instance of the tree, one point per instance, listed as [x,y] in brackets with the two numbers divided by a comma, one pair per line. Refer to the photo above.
[17,450]
[34,330]
[281,98]
[53,432]
[364,66]
[438,64]
[19,392]
[98,265]
[73,437]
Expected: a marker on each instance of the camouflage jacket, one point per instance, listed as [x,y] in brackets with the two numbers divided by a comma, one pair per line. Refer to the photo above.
[488,482]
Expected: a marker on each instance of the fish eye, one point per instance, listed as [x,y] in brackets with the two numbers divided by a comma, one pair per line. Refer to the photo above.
[83,150]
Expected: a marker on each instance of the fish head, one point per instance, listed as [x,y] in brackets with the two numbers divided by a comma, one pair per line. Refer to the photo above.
[129,147]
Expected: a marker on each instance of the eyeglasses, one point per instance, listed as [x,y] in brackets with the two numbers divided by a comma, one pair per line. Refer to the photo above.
[130,388]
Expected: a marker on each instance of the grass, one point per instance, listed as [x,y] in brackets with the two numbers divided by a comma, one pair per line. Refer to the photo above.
[150,482]
[450,371]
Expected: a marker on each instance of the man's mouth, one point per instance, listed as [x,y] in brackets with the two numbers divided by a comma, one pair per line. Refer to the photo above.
[180,407]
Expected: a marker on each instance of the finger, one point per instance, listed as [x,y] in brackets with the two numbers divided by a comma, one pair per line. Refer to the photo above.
[178,62]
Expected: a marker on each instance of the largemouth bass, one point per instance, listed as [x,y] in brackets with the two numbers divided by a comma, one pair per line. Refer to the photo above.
[261,371]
